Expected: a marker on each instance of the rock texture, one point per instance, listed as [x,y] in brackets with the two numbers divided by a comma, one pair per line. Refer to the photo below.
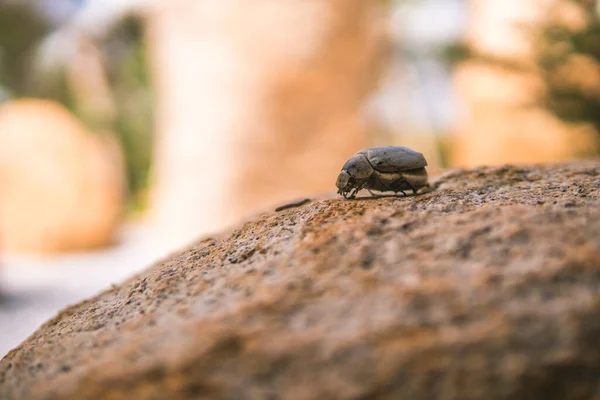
[486,288]
[61,187]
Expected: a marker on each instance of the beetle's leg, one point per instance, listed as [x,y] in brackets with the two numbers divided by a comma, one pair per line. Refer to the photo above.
[389,188]
[382,183]
[355,191]
[372,194]
[414,189]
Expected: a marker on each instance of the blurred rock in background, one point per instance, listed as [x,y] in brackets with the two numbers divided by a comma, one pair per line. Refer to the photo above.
[74,164]
[509,83]
[61,187]
[258,103]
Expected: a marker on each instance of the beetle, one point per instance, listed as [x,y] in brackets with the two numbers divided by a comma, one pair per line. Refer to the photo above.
[386,168]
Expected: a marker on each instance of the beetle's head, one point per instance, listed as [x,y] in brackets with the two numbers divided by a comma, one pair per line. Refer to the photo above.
[344,183]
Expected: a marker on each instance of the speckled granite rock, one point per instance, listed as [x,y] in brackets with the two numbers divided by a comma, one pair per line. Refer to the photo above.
[486,288]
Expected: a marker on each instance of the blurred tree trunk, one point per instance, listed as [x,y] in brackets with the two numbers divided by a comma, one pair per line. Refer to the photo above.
[258,103]
[501,87]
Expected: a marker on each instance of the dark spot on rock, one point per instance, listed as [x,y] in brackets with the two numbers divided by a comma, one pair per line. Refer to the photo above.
[520,237]
[366,261]
[481,231]
[199,389]
[155,373]
[406,227]
[228,346]
[374,230]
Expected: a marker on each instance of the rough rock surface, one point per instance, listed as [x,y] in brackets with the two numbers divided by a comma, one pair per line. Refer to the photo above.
[486,288]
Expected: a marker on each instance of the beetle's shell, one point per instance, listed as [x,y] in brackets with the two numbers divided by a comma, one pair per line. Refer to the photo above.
[393,158]
[358,166]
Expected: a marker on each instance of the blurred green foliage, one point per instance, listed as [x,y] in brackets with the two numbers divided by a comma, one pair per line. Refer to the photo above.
[134,122]
[20,31]
[124,58]
[572,92]
[571,89]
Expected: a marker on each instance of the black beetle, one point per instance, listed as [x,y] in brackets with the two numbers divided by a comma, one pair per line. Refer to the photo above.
[387,168]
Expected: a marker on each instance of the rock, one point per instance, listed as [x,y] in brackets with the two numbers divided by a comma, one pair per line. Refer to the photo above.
[486,288]
[243,127]
[61,188]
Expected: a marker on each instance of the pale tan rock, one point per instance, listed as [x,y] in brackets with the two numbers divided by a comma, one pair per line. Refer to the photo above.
[259,102]
[486,288]
[61,187]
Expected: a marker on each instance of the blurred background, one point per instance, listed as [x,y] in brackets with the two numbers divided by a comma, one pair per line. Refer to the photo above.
[130,128]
